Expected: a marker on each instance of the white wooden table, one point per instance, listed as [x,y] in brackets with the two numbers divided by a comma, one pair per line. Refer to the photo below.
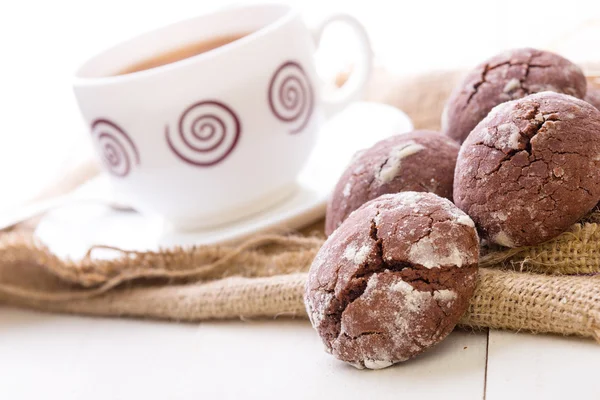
[45,356]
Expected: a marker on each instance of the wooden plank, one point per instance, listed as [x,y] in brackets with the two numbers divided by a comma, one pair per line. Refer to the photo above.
[526,366]
[67,357]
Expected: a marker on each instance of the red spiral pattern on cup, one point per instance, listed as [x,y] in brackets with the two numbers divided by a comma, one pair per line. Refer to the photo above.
[118,151]
[207,133]
[291,96]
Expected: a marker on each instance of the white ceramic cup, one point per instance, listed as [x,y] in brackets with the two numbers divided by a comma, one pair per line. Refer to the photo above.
[219,135]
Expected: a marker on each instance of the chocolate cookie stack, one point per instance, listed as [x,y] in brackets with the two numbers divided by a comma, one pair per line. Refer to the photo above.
[400,264]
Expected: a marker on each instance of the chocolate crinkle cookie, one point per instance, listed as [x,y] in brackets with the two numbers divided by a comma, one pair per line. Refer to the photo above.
[530,169]
[393,280]
[593,97]
[420,161]
[508,76]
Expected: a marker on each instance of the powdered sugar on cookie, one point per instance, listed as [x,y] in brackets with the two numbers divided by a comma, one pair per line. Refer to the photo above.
[391,168]
[358,255]
[430,255]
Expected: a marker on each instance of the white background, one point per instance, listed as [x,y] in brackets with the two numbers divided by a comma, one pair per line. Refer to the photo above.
[42,42]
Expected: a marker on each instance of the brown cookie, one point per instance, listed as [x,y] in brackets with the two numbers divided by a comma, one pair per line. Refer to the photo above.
[593,97]
[530,169]
[420,161]
[393,279]
[511,75]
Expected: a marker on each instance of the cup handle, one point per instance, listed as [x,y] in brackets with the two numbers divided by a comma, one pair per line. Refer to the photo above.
[354,88]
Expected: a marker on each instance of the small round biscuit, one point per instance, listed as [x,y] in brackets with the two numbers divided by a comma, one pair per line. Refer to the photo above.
[508,76]
[420,161]
[593,97]
[530,169]
[393,280]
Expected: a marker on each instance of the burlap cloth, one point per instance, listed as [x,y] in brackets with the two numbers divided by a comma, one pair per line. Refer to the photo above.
[553,287]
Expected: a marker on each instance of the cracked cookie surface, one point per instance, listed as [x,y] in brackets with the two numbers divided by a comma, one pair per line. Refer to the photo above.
[420,161]
[508,76]
[393,279]
[530,169]
[593,97]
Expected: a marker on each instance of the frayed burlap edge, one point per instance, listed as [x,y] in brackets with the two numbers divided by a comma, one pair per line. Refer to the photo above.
[264,277]
[567,305]
[575,252]
[24,258]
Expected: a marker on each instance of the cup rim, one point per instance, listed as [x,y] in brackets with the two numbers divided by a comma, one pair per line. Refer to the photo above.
[288,13]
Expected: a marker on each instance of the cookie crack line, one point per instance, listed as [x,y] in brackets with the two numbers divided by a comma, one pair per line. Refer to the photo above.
[482,80]
[374,234]
[378,173]
[528,66]
[359,282]
[423,236]
[584,189]
[487,68]
[526,74]
[367,333]
[360,279]
[428,231]
[537,126]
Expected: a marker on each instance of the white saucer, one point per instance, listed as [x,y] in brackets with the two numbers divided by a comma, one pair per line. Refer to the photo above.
[70,231]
